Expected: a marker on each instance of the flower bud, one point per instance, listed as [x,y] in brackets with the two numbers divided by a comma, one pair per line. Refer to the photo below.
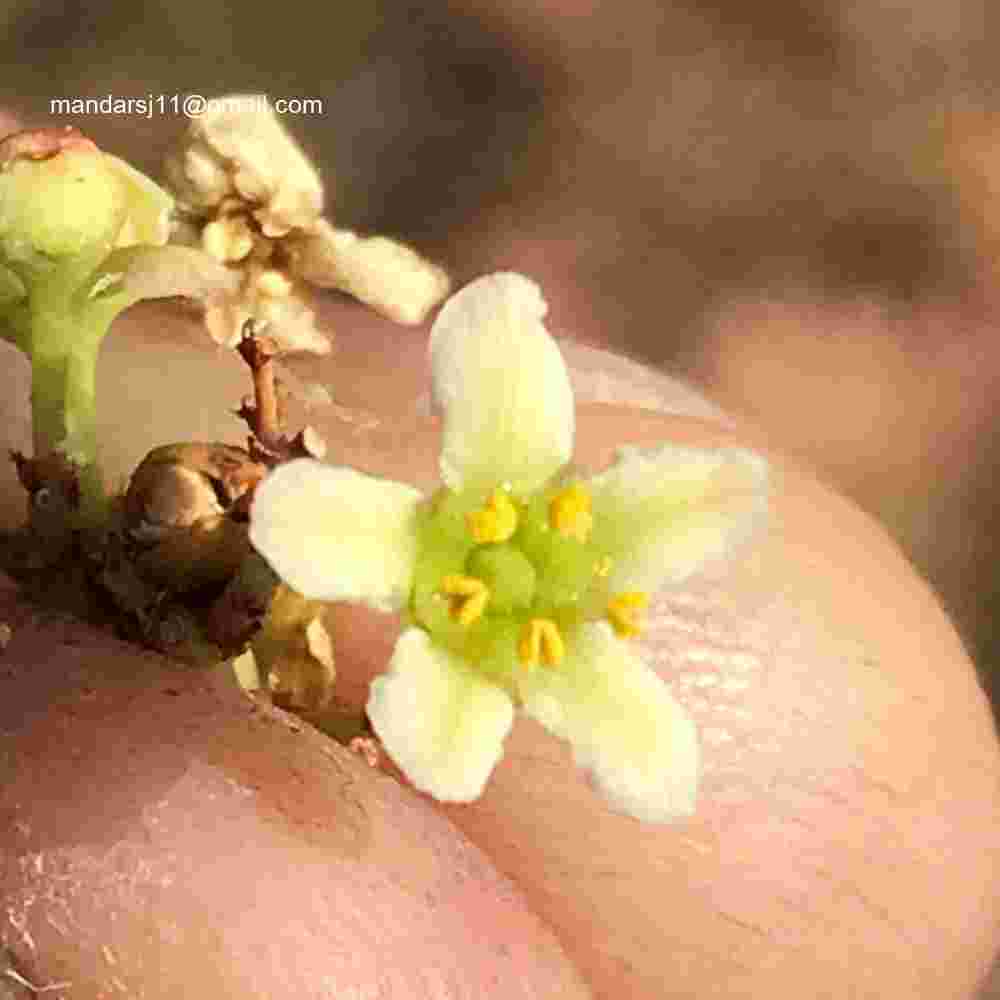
[60,196]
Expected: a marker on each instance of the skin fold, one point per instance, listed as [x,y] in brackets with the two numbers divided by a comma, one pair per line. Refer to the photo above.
[164,836]
[845,839]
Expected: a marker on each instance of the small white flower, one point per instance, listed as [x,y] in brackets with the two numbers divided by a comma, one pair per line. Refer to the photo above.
[521,581]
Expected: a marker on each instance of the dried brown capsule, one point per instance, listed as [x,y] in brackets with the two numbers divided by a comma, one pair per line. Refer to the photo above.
[180,502]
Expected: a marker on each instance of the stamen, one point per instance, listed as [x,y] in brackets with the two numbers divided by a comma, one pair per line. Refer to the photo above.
[496,522]
[603,566]
[469,597]
[227,240]
[623,612]
[569,513]
[540,639]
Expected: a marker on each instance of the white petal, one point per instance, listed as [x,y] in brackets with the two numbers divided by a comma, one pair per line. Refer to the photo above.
[335,534]
[148,272]
[626,729]
[442,723]
[663,513]
[391,278]
[502,385]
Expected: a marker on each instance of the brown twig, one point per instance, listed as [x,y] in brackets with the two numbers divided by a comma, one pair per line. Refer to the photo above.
[264,412]
[263,417]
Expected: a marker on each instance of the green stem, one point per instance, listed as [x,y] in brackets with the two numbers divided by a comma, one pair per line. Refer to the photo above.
[66,334]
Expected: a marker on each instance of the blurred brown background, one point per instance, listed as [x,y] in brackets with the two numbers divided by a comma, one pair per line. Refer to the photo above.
[795,205]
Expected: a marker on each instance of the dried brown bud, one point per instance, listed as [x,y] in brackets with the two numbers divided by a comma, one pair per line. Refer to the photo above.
[177,485]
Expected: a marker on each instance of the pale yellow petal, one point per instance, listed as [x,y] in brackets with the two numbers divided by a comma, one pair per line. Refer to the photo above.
[502,386]
[638,744]
[334,534]
[442,723]
[663,513]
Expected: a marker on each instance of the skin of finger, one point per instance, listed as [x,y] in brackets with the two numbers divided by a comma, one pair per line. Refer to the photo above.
[847,825]
[850,786]
[162,835]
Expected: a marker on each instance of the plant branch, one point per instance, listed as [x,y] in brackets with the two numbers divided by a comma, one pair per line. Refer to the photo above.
[264,417]
[264,413]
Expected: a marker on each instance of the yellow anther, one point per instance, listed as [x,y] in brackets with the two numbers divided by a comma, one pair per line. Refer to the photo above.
[623,612]
[469,597]
[540,639]
[496,522]
[227,240]
[603,566]
[569,513]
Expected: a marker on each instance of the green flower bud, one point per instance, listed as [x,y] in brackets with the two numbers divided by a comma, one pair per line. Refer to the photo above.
[61,197]
[60,206]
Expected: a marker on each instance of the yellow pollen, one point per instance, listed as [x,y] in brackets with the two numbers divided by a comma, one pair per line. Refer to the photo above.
[540,639]
[469,597]
[603,566]
[496,522]
[569,513]
[623,612]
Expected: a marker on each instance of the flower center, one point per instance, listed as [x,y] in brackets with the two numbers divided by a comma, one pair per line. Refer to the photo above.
[501,580]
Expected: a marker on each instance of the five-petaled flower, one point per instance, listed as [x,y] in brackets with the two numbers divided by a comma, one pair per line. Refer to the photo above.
[521,581]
